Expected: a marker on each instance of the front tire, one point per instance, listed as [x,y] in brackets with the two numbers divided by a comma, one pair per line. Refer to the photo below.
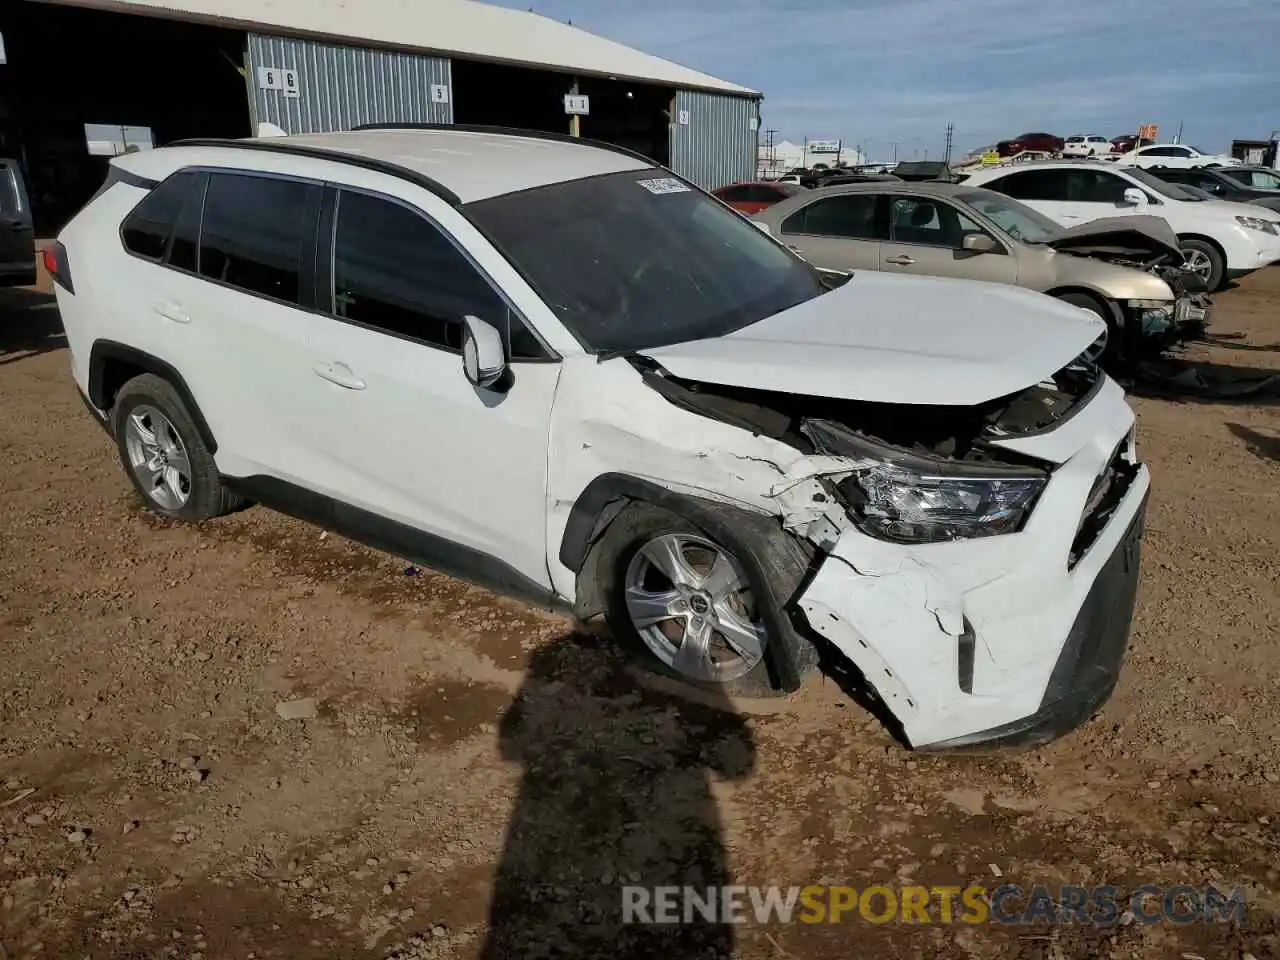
[1109,349]
[683,602]
[163,454]
[1205,260]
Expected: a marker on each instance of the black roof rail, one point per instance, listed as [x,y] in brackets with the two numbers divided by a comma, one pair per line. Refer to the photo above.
[277,145]
[511,132]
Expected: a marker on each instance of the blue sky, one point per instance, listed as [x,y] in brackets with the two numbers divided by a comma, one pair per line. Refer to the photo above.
[876,71]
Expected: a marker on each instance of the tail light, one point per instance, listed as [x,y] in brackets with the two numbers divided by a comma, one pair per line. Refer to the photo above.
[54,258]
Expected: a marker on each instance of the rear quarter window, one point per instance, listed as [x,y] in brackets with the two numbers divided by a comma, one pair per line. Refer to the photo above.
[148,229]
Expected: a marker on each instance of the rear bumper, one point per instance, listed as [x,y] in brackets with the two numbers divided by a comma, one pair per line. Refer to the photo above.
[1088,667]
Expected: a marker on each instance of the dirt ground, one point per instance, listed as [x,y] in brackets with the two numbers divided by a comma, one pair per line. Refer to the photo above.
[459,749]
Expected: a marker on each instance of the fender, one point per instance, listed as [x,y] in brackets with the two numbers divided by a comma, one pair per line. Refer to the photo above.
[107,350]
[780,565]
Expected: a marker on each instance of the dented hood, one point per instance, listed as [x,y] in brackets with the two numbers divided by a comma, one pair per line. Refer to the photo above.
[889,339]
[1140,237]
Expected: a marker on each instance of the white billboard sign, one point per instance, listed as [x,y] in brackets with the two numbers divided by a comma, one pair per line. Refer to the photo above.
[823,146]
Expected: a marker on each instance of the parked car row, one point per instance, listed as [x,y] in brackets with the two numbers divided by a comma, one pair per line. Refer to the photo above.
[1127,150]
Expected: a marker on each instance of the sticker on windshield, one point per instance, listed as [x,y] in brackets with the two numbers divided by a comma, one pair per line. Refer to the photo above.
[661,185]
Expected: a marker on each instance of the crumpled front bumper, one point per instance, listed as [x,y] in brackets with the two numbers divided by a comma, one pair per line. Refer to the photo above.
[1008,640]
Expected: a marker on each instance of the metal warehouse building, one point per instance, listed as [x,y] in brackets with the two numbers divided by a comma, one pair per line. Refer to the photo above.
[81,80]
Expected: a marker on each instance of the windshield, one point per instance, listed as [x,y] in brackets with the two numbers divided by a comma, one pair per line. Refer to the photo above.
[1017,220]
[1261,179]
[1173,191]
[635,260]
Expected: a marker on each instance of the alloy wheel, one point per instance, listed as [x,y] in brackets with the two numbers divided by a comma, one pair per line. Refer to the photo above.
[1198,262]
[690,603]
[158,458]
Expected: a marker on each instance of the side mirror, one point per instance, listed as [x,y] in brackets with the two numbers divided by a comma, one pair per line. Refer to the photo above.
[1133,197]
[762,227]
[978,243]
[484,359]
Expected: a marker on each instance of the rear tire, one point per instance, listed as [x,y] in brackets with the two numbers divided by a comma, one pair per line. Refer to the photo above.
[163,454]
[1206,260]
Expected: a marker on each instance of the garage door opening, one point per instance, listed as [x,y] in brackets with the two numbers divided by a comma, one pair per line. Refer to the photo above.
[631,115]
[80,84]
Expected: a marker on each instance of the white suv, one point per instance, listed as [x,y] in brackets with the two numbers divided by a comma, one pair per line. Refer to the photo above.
[1177,155]
[562,372]
[1081,145]
[1221,240]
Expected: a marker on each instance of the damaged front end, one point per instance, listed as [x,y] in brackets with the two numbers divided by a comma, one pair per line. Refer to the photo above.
[967,554]
[1148,244]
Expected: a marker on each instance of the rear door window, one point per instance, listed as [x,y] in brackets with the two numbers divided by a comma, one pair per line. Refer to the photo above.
[255,232]
[848,217]
[147,230]
[1032,185]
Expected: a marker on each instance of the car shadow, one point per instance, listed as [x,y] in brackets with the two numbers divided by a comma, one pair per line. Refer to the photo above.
[615,800]
[1234,342]
[29,324]
[1199,381]
[1260,444]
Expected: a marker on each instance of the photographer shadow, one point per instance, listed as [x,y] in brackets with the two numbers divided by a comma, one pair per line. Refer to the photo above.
[616,794]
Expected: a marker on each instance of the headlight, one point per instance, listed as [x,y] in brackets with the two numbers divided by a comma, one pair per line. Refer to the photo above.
[894,495]
[1257,223]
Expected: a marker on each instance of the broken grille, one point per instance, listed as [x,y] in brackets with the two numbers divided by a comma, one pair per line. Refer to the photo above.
[1109,488]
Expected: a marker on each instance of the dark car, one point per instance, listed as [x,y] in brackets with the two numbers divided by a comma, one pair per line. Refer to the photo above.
[1228,183]
[1044,142]
[1129,141]
[756,195]
[17,239]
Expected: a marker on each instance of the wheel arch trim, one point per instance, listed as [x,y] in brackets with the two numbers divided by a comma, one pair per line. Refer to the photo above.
[104,351]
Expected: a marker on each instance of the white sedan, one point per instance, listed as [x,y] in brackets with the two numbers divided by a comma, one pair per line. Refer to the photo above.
[1178,155]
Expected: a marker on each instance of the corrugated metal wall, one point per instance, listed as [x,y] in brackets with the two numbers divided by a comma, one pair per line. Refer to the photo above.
[340,86]
[717,142]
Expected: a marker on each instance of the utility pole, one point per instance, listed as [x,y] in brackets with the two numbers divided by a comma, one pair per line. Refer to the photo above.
[771,156]
[950,130]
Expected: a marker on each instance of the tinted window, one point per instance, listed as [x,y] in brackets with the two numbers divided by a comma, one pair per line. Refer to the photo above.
[735,194]
[849,217]
[255,231]
[395,271]
[147,229]
[9,202]
[930,222]
[1095,186]
[634,260]
[1262,179]
[1032,185]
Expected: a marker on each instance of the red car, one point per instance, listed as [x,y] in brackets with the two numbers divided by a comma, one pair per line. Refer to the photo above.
[753,196]
[1045,142]
[1129,141]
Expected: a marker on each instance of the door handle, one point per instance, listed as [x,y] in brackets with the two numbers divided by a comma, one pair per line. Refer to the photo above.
[340,374]
[170,311]
[901,261]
